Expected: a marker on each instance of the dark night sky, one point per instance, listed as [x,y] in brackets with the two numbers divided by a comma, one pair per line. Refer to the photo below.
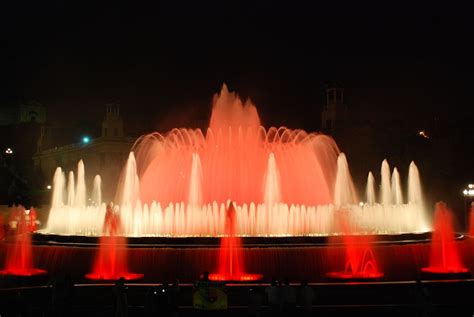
[402,67]
[163,63]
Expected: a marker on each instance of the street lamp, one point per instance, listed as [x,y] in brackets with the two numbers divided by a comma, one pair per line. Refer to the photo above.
[468,197]
[86,139]
[469,191]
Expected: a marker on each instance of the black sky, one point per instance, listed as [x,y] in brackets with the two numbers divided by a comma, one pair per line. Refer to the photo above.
[164,61]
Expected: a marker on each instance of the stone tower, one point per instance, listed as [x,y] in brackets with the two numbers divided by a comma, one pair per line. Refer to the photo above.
[112,126]
[334,115]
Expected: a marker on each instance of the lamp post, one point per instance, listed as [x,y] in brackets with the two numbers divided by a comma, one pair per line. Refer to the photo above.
[468,197]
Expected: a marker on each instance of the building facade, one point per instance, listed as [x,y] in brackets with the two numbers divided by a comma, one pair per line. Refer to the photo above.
[105,155]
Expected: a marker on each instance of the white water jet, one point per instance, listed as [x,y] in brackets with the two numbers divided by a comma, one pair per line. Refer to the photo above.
[270,218]
[414,185]
[272,193]
[71,192]
[131,183]
[97,191]
[195,184]
[58,188]
[81,185]
[370,189]
[385,187]
[397,196]
[344,192]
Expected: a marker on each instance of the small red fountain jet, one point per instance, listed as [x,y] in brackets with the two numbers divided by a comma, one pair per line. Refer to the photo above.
[19,258]
[230,265]
[445,258]
[111,260]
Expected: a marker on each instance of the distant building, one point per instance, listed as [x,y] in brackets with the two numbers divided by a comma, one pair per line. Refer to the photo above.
[104,155]
[20,128]
[30,112]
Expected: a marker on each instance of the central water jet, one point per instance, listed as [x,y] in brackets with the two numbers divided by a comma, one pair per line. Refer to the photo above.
[231,266]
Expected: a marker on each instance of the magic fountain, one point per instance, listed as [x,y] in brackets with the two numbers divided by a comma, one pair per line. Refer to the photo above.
[284,183]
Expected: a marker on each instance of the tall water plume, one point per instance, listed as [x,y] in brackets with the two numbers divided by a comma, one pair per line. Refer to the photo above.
[195,184]
[414,185]
[370,189]
[71,191]
[81,185]
[344,193]
[58,188]
[385,188]
[97,191]
[272,182]
[397,197]
[130,184]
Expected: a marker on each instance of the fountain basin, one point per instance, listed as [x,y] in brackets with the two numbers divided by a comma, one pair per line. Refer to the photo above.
[21,272]
[113,277]
[235,278]
[354,277]
[443,273]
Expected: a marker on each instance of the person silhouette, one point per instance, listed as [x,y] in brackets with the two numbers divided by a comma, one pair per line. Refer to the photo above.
[288,297]
[306,298]
[120,299]
[273,297]
[255,302]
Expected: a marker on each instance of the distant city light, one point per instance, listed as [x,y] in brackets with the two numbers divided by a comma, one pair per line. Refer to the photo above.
[86,140]
[423,134]
[469,192]
[8,151]
[48,187]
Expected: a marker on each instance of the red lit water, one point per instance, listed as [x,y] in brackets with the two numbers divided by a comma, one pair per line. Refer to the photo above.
[19,258]
[444,258]
[360,262]
[234,153]
[230,264]
[111,260]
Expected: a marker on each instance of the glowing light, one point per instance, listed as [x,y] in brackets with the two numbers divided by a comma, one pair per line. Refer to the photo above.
[469,192]
[86,140]
[48,187]
[361,204]
[423,133]
[9,151]
[470,186]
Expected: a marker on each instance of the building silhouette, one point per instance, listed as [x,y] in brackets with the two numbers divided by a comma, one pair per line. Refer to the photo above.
[104,155]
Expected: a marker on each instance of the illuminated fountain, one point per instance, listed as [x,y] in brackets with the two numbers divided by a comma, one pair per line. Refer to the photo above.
[231,262]
[284,183]
[445,258]
[111,259]
[360,262]
[19,258]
